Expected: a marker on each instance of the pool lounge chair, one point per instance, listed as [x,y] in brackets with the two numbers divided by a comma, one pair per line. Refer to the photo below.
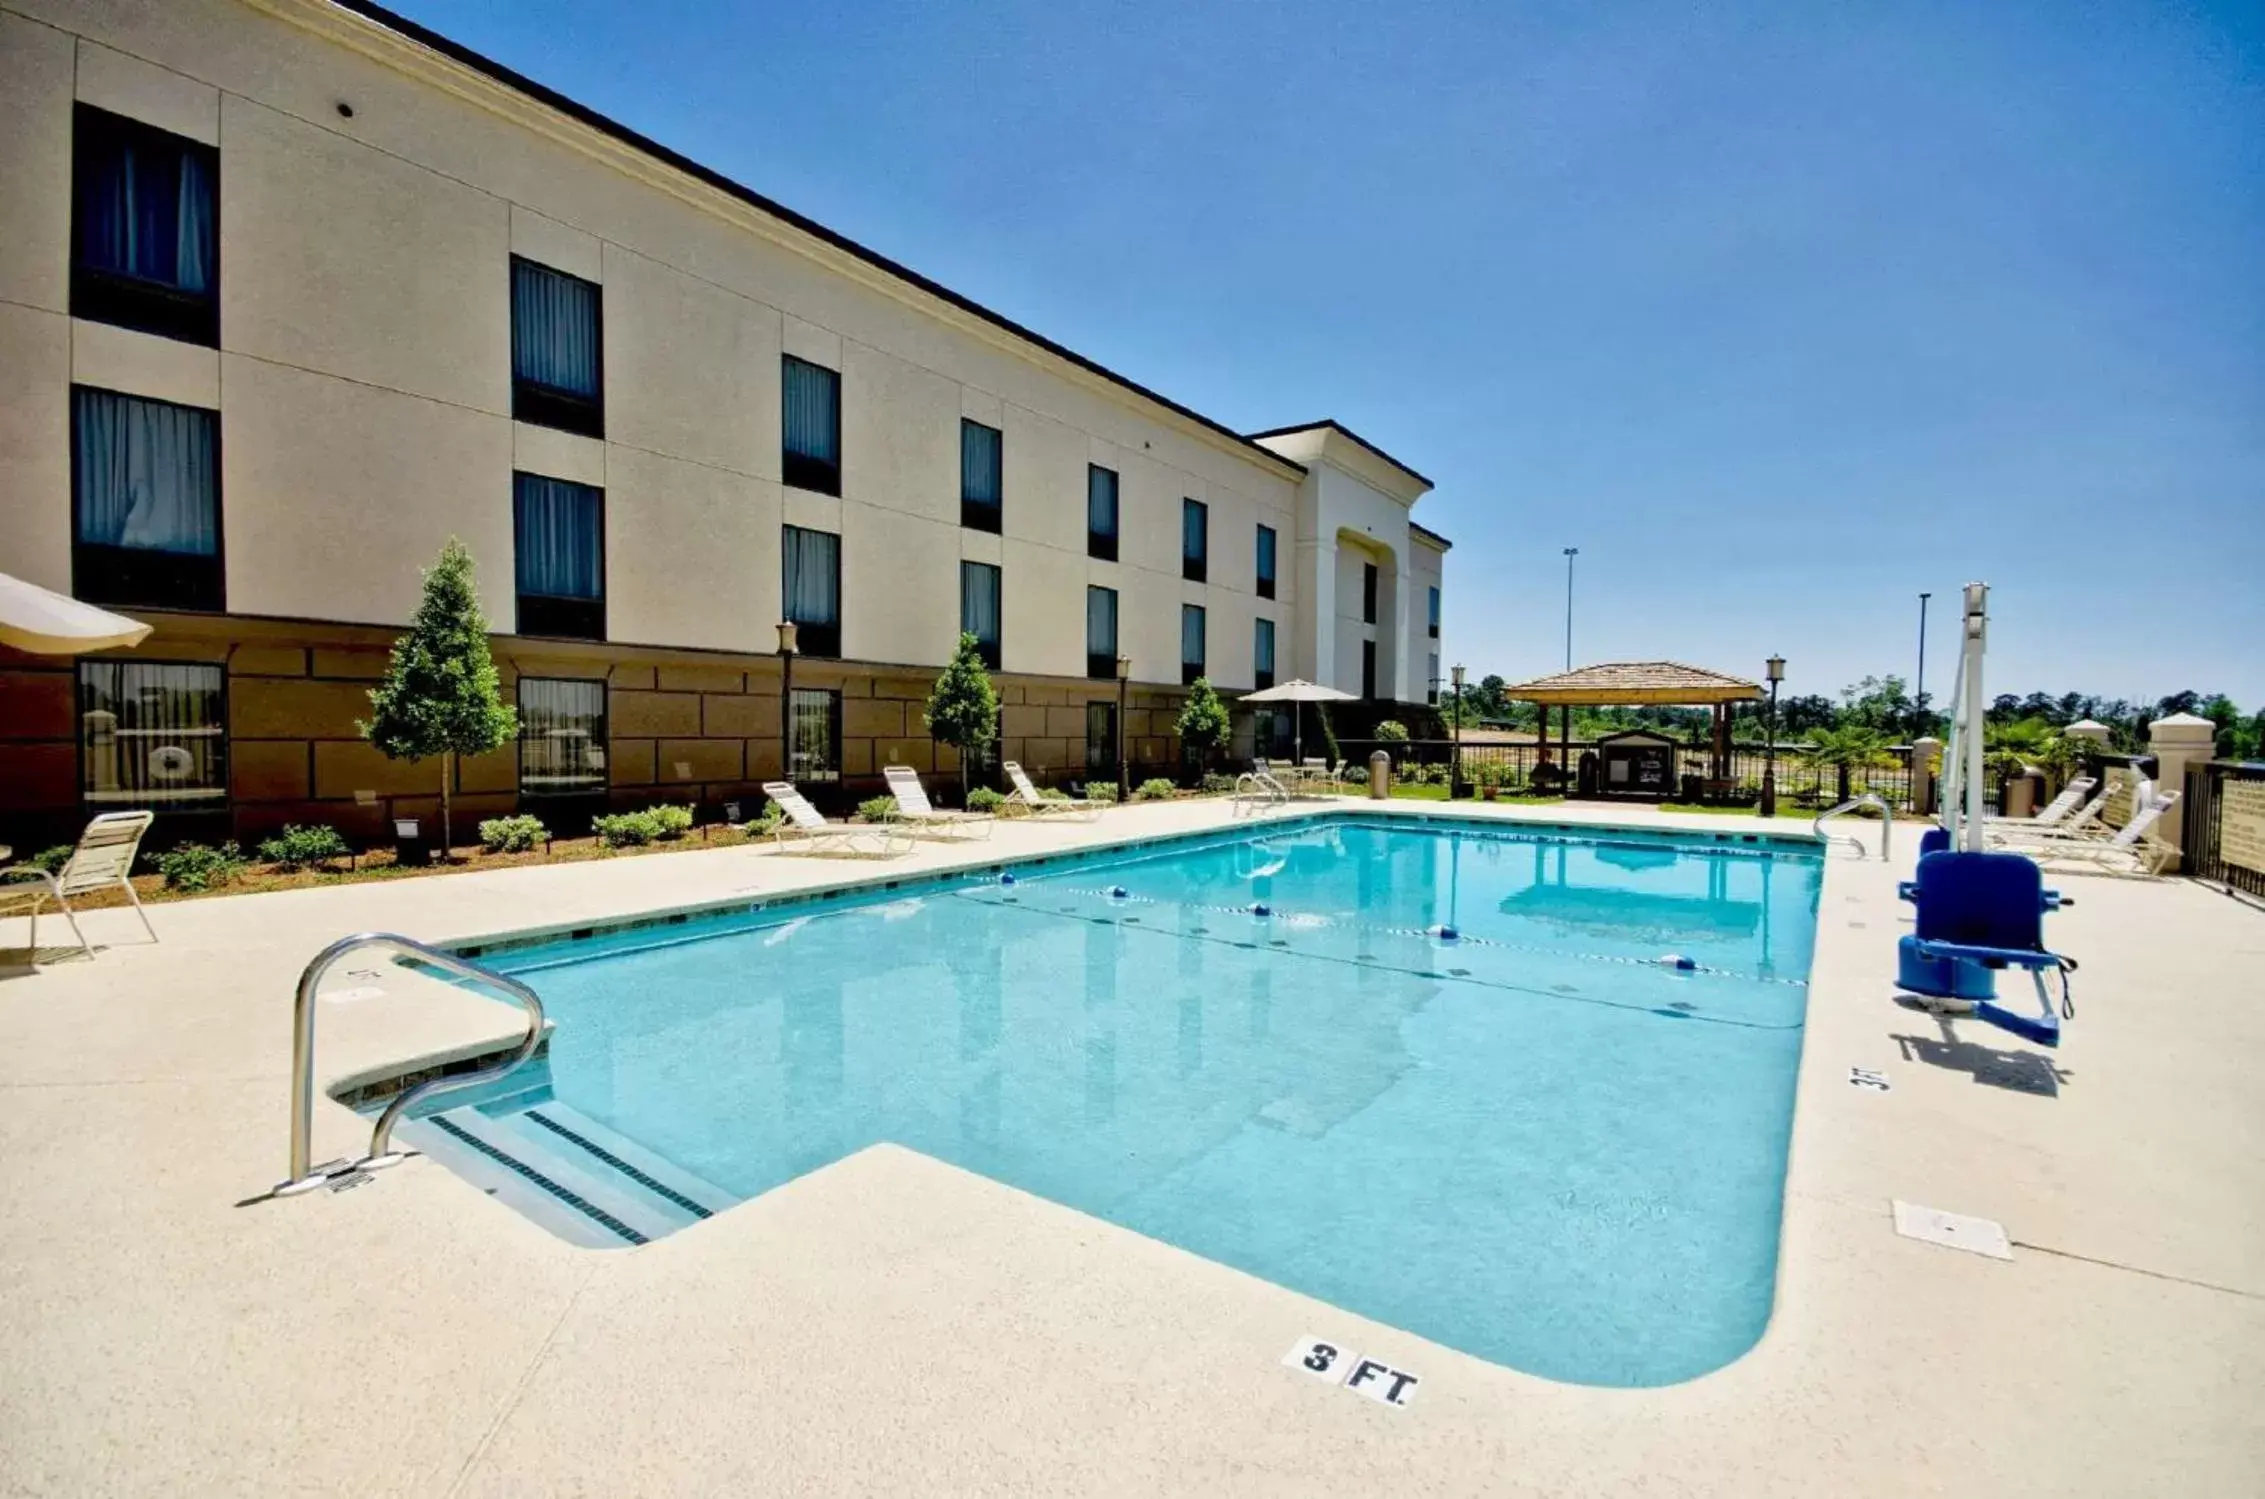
[2055,812]
[1027,796]
[805,826]
[2129,852]
[917,812]
[103,859]
[2019,832]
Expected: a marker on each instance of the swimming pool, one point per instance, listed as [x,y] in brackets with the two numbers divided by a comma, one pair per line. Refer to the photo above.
[1535,1141]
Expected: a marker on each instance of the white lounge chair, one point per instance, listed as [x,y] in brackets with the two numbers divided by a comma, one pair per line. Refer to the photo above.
[2017,832]
[2130,851]
[103,859]
[805,826]
[1027,796]
[2055,812]
[916,811]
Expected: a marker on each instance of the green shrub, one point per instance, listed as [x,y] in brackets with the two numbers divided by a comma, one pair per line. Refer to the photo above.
[1101,792]
[765,822]
[197,866]
[984,799]
[671,823]
[877,809]
[300,846]
[1356,775]
[626,829]
[1217,784]
[512,835]
[1052,794]
[1391,731]
[51,859]
[1156,789]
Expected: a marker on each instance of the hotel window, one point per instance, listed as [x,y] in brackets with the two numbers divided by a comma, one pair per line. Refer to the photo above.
[1191,642]
[817,735]
[1100,512]
[1368,593]
[1195,540]
[559,539]
[1432,605]
[979,608]
[557,350]
[981,476]
[811,455]
[1266,562]
[811,583]
[1431,680]
[1368,668]
[1262,655]
[145,228]
[145,502]
[1100,741]
[152,734]
[562,737]
[1101,632]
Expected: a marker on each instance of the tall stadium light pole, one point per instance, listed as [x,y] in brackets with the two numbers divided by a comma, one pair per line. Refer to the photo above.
[1919,692]
[1570,554]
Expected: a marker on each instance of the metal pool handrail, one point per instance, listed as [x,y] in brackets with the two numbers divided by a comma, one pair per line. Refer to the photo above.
[302,1177]
[1868,799]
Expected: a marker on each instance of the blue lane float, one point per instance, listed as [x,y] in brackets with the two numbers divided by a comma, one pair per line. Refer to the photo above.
[1450,934]
[1119,892]
[1262,909]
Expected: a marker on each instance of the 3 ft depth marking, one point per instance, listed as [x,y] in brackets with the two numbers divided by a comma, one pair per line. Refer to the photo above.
[1333,1363]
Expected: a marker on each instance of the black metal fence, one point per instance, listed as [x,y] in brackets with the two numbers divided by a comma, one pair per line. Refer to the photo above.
[2224,829]
[1803,781]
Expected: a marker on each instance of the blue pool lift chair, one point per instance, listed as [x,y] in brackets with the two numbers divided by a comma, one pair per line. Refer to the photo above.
[1980,913]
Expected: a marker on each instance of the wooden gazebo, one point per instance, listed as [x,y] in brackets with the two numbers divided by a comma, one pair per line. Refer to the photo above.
[1628,684]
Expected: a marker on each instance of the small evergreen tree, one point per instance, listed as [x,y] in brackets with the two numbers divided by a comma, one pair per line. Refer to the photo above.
[440,695]
[963,710]
[1203,722]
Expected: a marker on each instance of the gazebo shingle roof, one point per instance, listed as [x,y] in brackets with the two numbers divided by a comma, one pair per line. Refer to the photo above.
[1635,682]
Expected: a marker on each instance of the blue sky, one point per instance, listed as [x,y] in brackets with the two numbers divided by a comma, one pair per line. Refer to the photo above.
[1780,313]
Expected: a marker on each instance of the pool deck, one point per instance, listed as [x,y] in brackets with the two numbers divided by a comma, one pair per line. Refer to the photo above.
[892,1324]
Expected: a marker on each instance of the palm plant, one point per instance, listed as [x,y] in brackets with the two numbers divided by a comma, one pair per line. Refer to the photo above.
[1847,748]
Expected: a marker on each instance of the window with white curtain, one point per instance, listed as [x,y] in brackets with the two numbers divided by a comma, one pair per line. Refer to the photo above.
[982,452]
[1101,632]
[152,734]
[1191,642]
[562,736]
[558,538]
[811,449]
[145,502]
[557,349]
[811,585]
[1100,512]
[145,228]
[979,608]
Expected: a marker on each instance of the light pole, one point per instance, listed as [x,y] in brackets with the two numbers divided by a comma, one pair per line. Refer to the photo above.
[1919,692]
[1124,775]
[786,701]
[1769,761]
[1455,763]
[1570,554]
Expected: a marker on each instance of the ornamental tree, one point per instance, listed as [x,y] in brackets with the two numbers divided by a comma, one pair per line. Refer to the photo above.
[1203,724]
[963,708]
[440,695]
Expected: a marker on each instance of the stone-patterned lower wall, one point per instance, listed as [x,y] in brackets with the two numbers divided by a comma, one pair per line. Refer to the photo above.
[683,725]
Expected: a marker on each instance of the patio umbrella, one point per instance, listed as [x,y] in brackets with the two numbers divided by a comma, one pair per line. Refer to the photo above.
[46,623]
[1299,690]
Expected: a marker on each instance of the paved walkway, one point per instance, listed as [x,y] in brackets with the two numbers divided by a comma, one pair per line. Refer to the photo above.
[891,1324]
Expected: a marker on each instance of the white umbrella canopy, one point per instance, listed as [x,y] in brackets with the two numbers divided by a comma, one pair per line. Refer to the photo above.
[1298,690]
[47,623]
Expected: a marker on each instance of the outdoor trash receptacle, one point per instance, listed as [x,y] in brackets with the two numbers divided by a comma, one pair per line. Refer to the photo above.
[1379,775]
[409,846]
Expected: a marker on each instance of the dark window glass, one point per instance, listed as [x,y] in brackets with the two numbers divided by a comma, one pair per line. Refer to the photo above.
[981,477]
[979,608]
[1101,512]
[1195,540]
[811,456]
[1191,642]
[145,502]
[1432,606]
[1368,668]
[1368,593]
[557,350]
[145,228]
[562,737]
[1101,741]
[152,734]
[1262,655]
[559,541]
[1431,679]
[1100,632]
[1266,562]
[812,588]
[817,735]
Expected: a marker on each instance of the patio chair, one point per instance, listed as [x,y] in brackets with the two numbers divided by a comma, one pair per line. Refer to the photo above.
[805,825]
[2021,832]
[103,859]
[1027,796]
[2128,852]
[2055,812]
[914,808]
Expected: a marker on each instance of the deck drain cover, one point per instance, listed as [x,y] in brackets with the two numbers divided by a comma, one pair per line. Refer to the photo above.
[1953,1230]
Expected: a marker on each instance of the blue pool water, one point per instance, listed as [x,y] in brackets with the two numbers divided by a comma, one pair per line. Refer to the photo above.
[1536,1144]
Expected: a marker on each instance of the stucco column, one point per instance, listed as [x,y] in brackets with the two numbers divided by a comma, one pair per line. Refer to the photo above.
[1316,646]
[1924,751]
[1407,662]
[2177,742]
[2089,729]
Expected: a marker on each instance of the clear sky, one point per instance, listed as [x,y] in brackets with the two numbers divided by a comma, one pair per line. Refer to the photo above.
[1781,313]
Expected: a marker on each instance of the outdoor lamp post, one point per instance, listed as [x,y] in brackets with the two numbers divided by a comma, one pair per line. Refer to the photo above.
[1455,760]
[1769,761]
[1124,777]
[786,701]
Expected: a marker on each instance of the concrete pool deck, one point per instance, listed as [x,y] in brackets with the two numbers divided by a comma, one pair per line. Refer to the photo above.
[890,1323]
